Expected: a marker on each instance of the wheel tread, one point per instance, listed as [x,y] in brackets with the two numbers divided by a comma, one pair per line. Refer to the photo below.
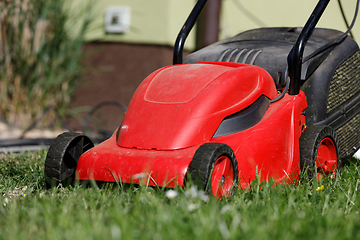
[55,164]
[200,168]
[308,144]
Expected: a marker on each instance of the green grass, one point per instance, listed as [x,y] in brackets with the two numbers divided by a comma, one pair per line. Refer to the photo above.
[140,212]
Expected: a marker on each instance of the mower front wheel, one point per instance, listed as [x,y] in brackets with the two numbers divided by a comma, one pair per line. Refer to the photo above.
[214,169]
[62,157]
[319,151]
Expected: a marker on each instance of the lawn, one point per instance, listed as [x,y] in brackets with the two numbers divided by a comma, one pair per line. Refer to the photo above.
[29,211]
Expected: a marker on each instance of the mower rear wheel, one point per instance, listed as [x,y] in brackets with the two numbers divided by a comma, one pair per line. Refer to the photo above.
[214,169]
[62,157]
[319,151]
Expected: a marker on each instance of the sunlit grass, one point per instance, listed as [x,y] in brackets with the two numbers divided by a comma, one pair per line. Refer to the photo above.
[140,212]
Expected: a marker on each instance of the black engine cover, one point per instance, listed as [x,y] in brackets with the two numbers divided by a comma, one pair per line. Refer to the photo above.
[330,80]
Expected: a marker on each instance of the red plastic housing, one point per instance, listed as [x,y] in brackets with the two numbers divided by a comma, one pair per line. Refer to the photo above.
[183,105]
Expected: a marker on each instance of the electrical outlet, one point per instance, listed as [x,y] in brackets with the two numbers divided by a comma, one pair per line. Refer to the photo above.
[117,19]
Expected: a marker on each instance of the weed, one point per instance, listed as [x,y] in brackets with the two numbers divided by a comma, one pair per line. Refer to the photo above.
[39,61]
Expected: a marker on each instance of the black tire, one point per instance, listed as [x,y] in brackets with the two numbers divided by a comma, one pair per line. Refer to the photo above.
[62,157]
[310,141]
[201,168]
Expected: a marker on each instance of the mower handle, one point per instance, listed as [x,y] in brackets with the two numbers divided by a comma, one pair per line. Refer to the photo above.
[295,56]
[185,30]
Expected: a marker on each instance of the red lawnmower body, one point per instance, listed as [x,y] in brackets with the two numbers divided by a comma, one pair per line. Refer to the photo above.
[178,108]
[219,122]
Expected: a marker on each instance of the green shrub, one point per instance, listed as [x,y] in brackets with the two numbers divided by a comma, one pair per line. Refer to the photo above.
[39,61]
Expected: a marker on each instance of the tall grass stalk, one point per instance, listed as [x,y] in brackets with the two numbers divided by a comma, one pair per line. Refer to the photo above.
[39,61]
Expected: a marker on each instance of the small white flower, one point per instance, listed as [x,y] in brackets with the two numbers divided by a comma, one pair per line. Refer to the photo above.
[171,194]
[193,206]
[226,208]
[144,200]
[193,192]
[139,176]
[115,232]
[203,196]
[6,201]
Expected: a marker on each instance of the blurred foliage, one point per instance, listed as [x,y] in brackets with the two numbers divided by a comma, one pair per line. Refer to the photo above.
[39,60]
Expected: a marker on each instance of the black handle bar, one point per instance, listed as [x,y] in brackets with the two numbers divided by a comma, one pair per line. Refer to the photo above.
[185,30]
[295,56]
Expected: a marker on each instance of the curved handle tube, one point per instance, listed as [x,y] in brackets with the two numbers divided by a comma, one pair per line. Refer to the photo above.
[185,30]
[295,56]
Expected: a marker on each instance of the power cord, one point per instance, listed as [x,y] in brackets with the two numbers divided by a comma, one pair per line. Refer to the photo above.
[337,40]
[344,18]
[8,143]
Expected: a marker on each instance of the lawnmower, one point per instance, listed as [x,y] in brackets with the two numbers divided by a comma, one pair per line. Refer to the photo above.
[268,103]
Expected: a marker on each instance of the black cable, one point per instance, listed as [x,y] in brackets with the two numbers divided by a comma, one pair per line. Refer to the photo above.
[21,142]
[248,14]
[97,107]
[286,89]
[344,17]
[35,122]
[25,142]
[337,40]
[43,114]
[86,121]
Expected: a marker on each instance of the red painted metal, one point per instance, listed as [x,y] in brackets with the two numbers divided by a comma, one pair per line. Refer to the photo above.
[178,108]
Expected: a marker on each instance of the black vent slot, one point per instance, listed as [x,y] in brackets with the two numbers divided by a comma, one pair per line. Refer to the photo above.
[349,137]
[245,118]
[247,56]
[345,83]
[344,87]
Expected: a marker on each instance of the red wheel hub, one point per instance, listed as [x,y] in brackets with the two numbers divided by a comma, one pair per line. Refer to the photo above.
[326,158]
[222,177]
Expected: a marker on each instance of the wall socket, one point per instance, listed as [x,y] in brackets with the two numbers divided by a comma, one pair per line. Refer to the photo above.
[117,19]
